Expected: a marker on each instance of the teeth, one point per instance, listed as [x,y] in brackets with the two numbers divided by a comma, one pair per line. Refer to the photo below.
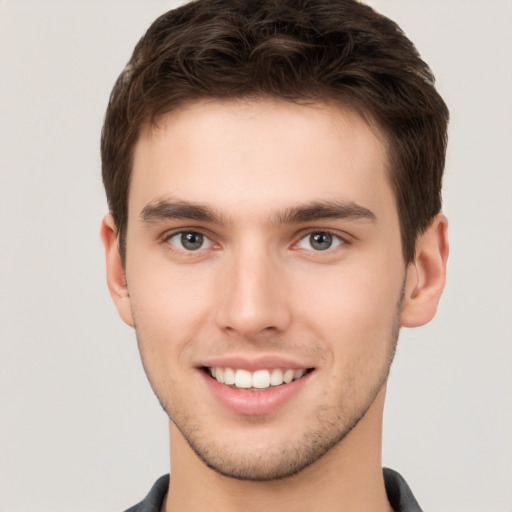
[229,376]
[276,377]
[243,379]
[260,379]
[219,374]
[288,376]
[298,374]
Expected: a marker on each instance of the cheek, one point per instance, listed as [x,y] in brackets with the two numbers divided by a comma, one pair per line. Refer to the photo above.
[355,307]
[168,319]
[351,298]
[168,303]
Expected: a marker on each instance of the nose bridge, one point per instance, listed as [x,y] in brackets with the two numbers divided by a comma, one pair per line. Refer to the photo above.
[253,292]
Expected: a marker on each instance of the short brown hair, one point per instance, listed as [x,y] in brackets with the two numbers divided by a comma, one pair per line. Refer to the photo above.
[298,50]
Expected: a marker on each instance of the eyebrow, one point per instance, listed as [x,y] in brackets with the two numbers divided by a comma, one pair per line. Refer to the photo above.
[168,210]
[319,210]
[325,210]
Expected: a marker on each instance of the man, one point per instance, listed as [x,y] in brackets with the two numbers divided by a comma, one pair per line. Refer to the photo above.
[273,171]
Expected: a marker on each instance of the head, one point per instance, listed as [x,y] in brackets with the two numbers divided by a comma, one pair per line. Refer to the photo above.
[273,171]
[336,51]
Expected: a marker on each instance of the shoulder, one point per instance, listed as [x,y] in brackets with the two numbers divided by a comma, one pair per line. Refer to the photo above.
[154,500]
[399,493]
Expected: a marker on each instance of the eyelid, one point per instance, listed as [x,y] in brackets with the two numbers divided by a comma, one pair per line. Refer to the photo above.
[168,235]
[343,238]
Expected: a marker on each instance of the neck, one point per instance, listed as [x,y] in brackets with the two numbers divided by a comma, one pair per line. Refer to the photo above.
[347,477]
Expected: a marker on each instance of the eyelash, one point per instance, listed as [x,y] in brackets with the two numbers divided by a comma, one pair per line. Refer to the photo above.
[169,236]
[337,239]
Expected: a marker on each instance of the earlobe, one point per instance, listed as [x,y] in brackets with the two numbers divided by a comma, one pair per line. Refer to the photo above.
[426,274]
[116,276]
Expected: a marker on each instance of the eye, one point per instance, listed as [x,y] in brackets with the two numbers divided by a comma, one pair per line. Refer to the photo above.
[189,241]
[320,241]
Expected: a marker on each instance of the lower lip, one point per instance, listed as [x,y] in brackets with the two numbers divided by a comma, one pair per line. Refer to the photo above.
[260,402]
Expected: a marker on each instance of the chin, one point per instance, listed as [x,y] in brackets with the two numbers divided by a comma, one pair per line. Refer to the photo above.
[261,462]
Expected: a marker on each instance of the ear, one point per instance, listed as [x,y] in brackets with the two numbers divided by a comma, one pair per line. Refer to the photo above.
[426,275]
[116,276]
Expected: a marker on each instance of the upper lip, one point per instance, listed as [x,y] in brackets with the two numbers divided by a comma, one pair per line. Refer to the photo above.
[254,363]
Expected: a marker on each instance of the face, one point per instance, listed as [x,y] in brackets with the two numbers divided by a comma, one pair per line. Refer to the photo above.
[265,277]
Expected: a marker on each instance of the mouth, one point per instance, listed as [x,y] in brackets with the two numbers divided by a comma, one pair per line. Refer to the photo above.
[259,380]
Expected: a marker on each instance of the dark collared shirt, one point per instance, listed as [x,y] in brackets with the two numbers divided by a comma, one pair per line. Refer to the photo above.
[399,494]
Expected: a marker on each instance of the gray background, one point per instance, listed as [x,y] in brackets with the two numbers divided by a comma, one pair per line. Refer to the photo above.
[79,427]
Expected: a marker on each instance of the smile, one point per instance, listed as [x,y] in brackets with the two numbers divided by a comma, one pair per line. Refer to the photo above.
[257,380]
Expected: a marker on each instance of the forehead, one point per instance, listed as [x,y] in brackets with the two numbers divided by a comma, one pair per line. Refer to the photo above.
[258,154]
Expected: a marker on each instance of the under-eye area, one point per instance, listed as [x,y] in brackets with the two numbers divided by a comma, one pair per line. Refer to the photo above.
[257,380]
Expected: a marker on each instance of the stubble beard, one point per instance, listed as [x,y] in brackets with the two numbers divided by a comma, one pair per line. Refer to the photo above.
[299,453]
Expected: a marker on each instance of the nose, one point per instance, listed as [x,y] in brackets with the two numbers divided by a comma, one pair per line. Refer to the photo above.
[253,299]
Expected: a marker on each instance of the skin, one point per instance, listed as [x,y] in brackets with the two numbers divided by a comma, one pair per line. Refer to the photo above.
[258,287]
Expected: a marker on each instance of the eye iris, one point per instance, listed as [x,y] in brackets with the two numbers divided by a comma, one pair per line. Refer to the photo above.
[192,241]
[321,241]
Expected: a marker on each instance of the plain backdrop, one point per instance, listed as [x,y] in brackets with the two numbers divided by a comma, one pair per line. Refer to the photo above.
[79,427]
